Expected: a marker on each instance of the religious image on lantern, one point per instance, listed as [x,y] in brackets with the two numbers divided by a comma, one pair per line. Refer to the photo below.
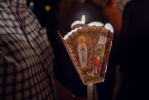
[82,52]
[95,54]
[89,48]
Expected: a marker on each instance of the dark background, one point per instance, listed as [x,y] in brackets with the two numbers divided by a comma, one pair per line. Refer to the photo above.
[48,19]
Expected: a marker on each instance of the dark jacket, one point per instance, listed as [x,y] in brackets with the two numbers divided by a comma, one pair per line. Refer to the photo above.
[134,51]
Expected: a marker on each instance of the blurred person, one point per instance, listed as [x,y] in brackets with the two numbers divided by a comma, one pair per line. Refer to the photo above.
[114,14]
[133,51]
[122,3]
[26,57]
[112,11]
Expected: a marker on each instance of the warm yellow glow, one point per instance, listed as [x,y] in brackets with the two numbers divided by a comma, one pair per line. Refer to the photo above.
[81,37]
[47,8]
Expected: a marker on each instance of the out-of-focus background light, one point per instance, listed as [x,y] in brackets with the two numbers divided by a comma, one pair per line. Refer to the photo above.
[47,8]
[31,4]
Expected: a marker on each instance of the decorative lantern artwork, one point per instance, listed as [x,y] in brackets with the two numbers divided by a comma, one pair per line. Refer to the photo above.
[88,46]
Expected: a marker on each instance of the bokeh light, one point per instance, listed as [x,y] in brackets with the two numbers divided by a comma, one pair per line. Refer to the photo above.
[31,4]
[47,8]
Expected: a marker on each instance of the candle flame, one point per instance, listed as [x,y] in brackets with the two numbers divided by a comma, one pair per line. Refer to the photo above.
[83,19]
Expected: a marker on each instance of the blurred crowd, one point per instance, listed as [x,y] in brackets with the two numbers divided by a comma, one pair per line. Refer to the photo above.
[126,74]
